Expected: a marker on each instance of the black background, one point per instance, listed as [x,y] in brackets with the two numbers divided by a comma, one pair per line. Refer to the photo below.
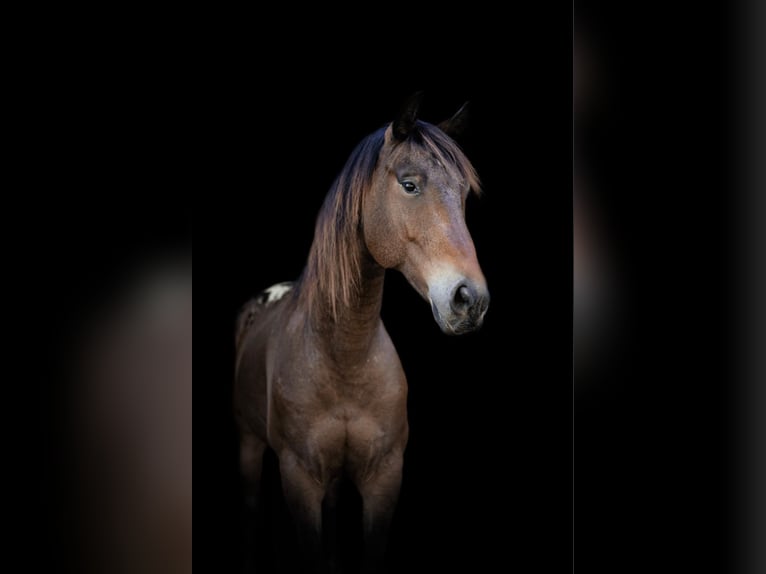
[653,424]
[487,462]
[249,132]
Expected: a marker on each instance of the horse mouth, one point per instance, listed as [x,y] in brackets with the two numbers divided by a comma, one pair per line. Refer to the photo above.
[455,325]
[463,326]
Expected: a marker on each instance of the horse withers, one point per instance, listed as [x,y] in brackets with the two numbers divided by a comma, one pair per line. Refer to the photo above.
[317,377]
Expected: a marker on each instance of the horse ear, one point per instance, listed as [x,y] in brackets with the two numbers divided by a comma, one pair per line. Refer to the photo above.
[457,124]
[404,124]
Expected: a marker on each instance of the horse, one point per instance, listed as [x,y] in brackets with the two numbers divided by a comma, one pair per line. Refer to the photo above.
[317,377]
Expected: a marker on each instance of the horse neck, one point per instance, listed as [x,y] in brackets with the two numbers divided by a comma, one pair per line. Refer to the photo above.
[356,326]
[348,332]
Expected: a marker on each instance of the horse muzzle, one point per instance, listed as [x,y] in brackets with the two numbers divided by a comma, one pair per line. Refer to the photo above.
[461,307]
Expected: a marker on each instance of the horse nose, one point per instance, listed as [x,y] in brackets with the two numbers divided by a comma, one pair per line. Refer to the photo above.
[468,300]
[463,298]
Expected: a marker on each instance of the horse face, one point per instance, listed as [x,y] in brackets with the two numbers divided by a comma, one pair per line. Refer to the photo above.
[414,221]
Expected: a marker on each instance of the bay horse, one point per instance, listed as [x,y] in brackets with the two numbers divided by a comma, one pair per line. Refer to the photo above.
[317,377]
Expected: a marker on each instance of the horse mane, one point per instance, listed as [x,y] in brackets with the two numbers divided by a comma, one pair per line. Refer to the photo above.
[333,270]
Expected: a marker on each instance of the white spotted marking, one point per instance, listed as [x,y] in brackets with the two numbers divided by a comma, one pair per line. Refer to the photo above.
[276,292]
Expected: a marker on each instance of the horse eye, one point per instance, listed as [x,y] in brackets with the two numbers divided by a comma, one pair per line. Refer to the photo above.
[410,187]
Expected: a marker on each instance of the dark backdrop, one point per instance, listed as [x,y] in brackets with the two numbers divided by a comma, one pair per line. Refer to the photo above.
[653,426]
[251,131]
[487,465]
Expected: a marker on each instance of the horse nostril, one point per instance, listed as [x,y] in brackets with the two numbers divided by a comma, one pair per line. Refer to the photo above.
[463,299]
[465,295]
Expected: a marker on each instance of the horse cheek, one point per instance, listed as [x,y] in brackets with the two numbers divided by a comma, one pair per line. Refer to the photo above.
[382,240]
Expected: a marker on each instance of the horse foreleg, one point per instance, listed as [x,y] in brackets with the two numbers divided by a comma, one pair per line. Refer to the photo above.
[330,525]
[251,453]
[304,497]
[379,493]
[251,465]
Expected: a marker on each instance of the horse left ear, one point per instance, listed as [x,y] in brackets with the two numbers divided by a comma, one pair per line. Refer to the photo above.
[405,123]
[457,124]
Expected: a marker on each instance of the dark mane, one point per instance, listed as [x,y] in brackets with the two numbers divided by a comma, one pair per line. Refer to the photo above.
[334,263]
[335,258]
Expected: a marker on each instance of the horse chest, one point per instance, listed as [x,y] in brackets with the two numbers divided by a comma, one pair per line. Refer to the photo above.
[340,430]
[345,442]
[368,442]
